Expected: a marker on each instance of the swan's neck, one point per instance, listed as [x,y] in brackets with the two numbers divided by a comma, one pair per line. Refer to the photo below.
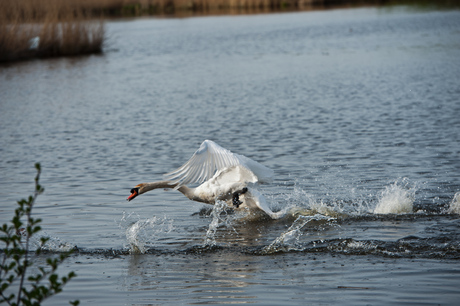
[188,192]
[145,187]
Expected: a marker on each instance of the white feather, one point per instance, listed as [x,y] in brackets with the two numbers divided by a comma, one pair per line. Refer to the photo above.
[209,159]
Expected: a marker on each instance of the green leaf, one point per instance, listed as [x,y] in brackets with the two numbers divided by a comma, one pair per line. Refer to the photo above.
[4,286]
[15,257]
[53,278]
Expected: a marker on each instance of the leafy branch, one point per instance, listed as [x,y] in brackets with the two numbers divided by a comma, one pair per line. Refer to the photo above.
[15,261]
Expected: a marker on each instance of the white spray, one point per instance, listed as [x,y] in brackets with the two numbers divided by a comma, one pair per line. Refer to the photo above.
[398,198]
[141,232]
[289,240]
[455,204]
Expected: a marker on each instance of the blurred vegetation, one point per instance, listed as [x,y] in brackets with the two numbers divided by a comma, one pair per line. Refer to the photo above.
[126,8]
[17,286]
[47,28]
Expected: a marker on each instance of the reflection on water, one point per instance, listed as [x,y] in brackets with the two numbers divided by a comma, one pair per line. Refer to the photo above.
[222,278]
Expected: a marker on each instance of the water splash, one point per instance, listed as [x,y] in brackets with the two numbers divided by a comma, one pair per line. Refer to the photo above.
[398,198]
[220,217]
[140,233]
[53,244]
[455,204]
[300,202]
[290,239]
[362,246]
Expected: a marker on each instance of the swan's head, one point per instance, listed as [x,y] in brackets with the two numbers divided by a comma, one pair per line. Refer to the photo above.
[134,193]
[137,190]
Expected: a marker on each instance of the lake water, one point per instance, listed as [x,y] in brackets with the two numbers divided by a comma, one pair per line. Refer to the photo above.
[357,111]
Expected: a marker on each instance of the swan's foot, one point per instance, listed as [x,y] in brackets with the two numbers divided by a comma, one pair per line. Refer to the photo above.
[236,197]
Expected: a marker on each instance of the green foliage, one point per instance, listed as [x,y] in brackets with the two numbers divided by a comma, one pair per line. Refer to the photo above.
[16,237]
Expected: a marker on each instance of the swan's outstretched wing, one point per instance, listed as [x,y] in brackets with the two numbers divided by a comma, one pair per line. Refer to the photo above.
[208,159]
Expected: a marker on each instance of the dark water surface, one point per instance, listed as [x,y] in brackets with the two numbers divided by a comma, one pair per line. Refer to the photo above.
[357,112]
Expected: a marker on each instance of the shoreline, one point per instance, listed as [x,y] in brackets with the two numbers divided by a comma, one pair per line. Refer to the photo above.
[76,28]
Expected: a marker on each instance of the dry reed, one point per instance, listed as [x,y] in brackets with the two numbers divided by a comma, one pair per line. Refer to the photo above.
[177,7]
[67,27]
[137,7]
[140,7]
[44,28]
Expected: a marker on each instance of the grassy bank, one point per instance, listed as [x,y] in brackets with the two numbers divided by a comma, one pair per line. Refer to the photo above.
[178,7]
[169,7]
[47,28]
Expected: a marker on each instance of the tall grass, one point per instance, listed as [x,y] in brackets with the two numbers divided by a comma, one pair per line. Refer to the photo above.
[159,7]
[177,7]
[45,28]
[139,7]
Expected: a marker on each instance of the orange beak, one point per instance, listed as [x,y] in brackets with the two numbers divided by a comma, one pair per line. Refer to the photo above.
[134,193]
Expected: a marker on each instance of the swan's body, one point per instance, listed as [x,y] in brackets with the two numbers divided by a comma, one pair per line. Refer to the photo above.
[225,176]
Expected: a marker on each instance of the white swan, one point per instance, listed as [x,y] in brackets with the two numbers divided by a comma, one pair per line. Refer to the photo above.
[227,177]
